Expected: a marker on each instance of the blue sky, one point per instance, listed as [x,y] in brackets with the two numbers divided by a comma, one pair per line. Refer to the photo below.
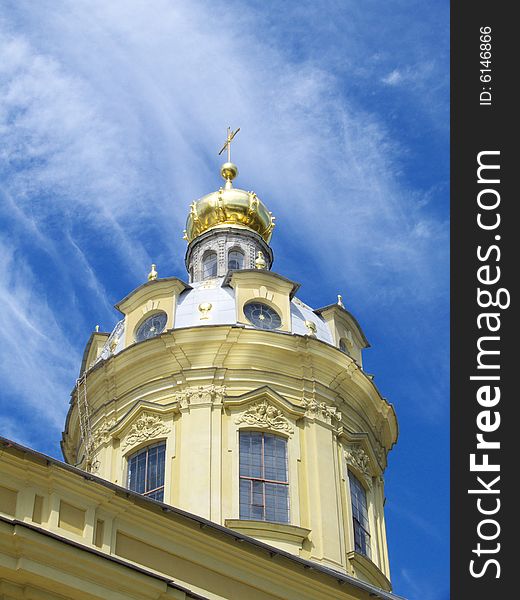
[111,117]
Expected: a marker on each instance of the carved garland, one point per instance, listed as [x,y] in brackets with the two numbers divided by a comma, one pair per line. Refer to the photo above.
[147,426]
[357,458]
[263,414]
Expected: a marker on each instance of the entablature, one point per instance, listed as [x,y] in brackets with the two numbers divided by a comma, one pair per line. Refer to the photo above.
[305,369]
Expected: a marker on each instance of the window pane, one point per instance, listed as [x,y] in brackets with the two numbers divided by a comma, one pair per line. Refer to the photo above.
[146,471]
[235,260]
[257,497]
[257,513]
[209,265]
[152,469]
[157,495]
[264,493]
[140,472]
[132,474]
[360,516]
[277,501]
[161,465]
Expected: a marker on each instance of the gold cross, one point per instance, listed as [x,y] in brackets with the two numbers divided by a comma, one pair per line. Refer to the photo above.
[227,145]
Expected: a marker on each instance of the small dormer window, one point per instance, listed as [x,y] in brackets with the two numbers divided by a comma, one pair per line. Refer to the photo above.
[209,265]
[235,260]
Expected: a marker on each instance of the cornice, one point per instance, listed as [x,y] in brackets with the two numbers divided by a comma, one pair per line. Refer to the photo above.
[146,370]
[149,290]
[366,566]
[258,277]
[344,315]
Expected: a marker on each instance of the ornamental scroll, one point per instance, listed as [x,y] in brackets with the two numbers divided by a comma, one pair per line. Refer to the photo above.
[265,415]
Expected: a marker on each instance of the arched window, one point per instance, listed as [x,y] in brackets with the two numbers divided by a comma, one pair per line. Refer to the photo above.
[264,486]
[146,471]
[209,265]
[235,260]
[360,516]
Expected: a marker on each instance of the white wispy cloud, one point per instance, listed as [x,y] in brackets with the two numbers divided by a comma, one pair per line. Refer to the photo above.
[110,116]
[393,78]
[36,356]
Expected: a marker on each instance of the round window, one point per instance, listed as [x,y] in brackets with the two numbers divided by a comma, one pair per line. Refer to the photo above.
[262,316]
[151,327]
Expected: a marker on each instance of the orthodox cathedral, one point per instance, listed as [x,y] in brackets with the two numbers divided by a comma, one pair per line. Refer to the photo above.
[222,442]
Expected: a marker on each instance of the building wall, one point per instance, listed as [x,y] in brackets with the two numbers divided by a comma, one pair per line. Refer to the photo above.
[221,241]
[65,533]
[197,388]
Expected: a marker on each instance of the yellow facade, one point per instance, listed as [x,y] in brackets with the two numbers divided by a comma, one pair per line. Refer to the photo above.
[196,385]
[65,533]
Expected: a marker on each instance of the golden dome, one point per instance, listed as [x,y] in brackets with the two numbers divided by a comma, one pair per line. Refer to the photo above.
[229,206]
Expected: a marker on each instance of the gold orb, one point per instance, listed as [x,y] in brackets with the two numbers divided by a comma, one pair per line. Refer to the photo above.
[229,171]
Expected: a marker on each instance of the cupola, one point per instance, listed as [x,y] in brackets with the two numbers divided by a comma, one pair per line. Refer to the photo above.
[228,229]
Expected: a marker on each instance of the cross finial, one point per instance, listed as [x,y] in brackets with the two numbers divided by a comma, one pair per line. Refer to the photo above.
[230,136]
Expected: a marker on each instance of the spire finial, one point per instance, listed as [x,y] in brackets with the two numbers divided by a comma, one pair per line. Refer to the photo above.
[227,145]
[228,170]
[152,275]
[340,301]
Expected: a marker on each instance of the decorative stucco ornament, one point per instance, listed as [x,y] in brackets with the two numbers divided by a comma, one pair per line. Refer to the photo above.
[314,408]
[204,309]
[147,426]
[200,395]
[265,415]
[92,465]
[357,458]
[102,433]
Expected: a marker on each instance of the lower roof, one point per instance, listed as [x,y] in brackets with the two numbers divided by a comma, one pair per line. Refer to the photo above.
[205,525]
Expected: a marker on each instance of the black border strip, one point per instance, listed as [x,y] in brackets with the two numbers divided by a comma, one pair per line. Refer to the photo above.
[482,129]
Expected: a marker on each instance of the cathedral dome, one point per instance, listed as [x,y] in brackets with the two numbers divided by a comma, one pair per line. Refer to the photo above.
[229,206]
